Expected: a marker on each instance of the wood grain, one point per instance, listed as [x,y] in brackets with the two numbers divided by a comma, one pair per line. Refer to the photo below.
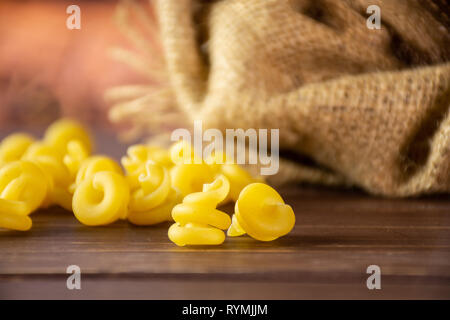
[338,234]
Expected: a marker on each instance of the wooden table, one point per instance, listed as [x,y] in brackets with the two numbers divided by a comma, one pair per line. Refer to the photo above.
[338,234]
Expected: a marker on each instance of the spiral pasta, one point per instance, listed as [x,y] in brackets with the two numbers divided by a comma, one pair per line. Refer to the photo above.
[261,213]
[23,188]
[136,159]
[14,146]
[182,152]
[57,175]
[60,170]
[239,177]
[153,202]
[188,176]
[93,165]
[101,198]
[154,188]
[23,181]
[60,133]
[198,222]
[76,153]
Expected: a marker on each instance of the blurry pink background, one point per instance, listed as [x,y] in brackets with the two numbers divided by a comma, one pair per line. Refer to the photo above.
[47,70]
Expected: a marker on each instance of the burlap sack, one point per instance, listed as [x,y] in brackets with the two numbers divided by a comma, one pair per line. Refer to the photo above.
[354,106]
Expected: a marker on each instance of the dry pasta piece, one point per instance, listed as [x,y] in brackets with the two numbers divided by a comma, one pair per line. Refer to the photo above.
[158,214]
[22,190]
[101,199]
[60,133]
[76,153]
[91,166]
[195,234]
[239,177]
[198,222]
[136,159]
[57,175]
[182,152]
[190,178]
[261,213]
[15,222]
[154,188]
[14,146]
[153,202]
[187,176]
[23,187]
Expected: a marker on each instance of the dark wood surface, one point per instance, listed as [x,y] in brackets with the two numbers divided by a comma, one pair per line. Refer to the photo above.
[338,234]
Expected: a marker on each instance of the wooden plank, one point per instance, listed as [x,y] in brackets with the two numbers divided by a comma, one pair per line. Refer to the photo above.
[168,288]
[337,235]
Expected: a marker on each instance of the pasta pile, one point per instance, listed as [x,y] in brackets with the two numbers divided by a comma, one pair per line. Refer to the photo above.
[155,186]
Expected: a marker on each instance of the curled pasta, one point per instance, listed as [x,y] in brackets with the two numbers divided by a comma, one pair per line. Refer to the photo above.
[188,176]
[157,214]
[152,203]
[195,234]
[239,177]
[50,161]
[91,166]
[76,153]
[23,181]
[101,198]
[57,175]
[261,213]
[22,190]
[154,188]
[136,159]
[60,133]
[14,146]
[182,152]
[198,222]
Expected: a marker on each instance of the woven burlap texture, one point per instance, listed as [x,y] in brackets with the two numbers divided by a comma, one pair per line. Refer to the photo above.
[365,107]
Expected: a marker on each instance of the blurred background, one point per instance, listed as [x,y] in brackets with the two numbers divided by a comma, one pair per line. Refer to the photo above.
[48,71]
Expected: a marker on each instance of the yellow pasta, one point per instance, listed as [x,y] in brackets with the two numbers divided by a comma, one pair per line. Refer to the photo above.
[15,222]
[14,146]
[57,175]
[182,152]
[76,153]
[91,166]
[60,133]
[23,188]
[59,170]
[50,160]
[190,178]
[153,202]
[261,213]
[101,199]
[187,176]
[23,181]
[136,159]
[198,222]
[239,177]
[154,188]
